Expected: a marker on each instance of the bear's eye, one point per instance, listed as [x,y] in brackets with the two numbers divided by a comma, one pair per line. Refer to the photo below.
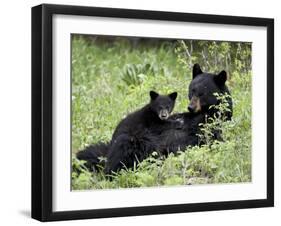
[200,94]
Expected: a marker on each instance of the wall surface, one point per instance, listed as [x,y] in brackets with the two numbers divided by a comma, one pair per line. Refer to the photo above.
[15,120]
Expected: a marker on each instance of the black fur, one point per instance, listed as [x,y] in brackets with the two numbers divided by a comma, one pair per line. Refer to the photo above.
[136,136]
[200,94]
[92,154]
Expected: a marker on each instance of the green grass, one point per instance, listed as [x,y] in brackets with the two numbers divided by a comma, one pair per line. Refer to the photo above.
[112,79]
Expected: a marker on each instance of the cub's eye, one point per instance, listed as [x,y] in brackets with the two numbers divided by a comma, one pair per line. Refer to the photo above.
[200,94]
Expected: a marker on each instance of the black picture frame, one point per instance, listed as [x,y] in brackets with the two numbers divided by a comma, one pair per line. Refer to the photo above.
[42,106]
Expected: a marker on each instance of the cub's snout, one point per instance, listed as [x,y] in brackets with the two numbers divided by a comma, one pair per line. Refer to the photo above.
[164,114]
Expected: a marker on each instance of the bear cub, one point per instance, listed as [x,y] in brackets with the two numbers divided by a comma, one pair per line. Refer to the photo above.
[136,136]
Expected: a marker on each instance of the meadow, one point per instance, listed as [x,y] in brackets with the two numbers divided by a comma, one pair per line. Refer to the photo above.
[112,77]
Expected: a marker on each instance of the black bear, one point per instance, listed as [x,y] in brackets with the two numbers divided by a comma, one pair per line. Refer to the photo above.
[201,96]
[136,136]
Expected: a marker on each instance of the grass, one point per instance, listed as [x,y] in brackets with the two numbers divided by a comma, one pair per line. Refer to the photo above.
[113,78]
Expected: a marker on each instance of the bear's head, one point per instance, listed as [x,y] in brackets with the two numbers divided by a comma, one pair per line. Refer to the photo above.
[162,105]
[202,89]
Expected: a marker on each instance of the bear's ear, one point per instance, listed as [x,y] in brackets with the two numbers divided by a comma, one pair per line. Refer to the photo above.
[220,79]
[153,95]
[196,70]
[173,95]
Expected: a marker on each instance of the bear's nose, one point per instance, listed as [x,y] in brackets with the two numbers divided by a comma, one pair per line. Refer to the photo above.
[190,108]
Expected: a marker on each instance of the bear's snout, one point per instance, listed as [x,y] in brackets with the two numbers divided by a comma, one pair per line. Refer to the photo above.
[164,114]
[191,108]
[195,105]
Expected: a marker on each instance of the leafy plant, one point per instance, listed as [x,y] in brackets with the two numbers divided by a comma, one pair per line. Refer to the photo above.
[212,128]
[134,74]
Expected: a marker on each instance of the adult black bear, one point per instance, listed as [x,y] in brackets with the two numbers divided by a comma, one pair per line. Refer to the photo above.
[136,136]
[201,95]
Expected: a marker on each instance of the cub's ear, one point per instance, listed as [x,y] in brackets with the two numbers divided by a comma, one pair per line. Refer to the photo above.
[173,95]
[220,79]
[153,95]
[196,70]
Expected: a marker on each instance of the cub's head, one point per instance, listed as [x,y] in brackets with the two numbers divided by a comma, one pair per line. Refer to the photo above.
[162,105]
[202,88]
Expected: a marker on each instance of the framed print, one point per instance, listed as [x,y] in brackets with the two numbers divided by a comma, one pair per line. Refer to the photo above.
[146,112]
